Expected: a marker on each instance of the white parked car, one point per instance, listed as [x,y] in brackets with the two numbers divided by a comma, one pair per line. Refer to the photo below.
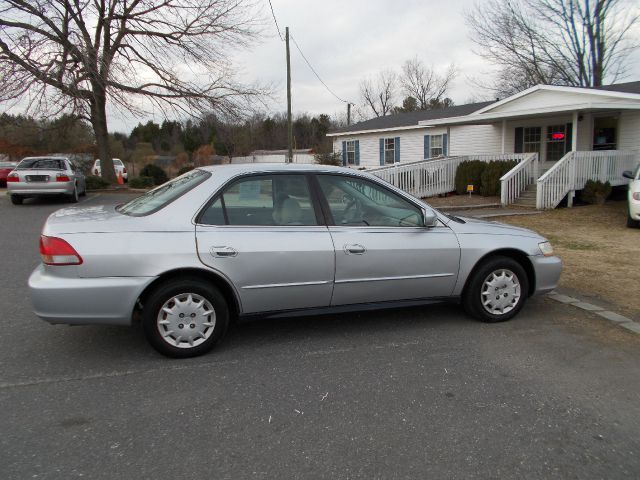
[117,164]
[633,217]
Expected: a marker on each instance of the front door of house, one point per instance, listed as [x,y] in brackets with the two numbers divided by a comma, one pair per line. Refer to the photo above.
[558,141]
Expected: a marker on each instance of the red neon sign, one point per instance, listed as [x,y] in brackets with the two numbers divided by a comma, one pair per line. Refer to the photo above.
[557,136]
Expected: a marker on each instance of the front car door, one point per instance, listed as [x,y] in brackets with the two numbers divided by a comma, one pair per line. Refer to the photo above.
[383,250]
[266,235]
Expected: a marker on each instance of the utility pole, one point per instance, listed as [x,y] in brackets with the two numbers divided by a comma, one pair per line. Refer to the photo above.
[348,114]
[289,125]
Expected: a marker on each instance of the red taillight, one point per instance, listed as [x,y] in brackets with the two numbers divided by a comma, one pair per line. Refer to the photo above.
[124,170]
[13,177]
[61,177]
[95,172]
[56,251]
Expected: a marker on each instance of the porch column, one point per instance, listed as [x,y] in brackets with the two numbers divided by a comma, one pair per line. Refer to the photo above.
[504,135]
[574,132]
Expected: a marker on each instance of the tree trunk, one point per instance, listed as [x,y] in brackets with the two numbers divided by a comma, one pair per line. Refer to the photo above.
[99,123]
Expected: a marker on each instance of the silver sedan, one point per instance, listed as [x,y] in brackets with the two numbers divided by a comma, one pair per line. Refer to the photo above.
[233,241]
[45,176]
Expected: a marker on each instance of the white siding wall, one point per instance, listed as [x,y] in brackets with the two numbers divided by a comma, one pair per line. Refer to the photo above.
[411,144]
[475,140]
[629,132]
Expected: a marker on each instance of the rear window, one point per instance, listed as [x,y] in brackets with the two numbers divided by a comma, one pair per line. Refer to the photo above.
[41,164]
[161,196]
[7,165]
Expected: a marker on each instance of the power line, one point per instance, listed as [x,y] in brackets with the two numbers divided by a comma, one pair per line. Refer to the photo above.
[276,21]
[316,73]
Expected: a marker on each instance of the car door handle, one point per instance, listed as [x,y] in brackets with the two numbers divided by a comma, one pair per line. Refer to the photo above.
[354,249]
[223,252]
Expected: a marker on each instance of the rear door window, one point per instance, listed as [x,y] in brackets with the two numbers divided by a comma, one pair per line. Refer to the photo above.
[278,200]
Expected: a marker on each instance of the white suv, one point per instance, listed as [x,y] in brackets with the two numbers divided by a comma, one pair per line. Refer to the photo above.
[117,164]
[633,217]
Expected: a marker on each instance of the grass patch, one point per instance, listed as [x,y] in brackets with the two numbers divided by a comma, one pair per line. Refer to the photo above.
[601,255]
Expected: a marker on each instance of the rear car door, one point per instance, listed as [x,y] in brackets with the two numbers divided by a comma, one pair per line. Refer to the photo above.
[383,250]
[265,233]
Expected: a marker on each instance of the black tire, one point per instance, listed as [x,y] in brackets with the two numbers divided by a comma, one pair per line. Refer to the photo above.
[472,298]
[631,223]
[73,198]
[16,199]
[181,287]
[84,192]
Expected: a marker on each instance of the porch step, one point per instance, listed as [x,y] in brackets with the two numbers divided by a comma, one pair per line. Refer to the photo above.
[528,197]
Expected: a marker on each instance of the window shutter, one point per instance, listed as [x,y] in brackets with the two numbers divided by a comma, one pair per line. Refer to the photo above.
[445,144]
[519,141]
[397,149]
[344,153]
[568,138]
[382,151]
[427,147]
[357,152]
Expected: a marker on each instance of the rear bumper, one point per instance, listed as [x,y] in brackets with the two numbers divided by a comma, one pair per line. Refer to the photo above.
[547,272]
[37,188]
[84,301]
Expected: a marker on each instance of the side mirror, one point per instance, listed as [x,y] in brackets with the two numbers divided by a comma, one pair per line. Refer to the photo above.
[627,174]
[430,217]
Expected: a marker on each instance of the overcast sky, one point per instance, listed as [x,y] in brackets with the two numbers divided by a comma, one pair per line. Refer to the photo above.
[348,40]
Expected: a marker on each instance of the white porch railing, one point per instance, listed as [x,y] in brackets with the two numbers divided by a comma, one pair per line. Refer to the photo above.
[515,181]
[573,170]
[434,176]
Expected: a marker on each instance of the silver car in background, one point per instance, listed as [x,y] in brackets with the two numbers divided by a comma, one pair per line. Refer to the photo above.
[45,176]
[239,240]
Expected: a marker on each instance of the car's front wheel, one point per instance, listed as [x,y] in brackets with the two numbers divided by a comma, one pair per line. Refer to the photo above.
[16,199]
[185,317]
[497,290]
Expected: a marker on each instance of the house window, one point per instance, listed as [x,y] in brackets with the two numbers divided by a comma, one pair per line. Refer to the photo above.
[351,152]
[389,150]
[437,148]
[531,137]
[556,142]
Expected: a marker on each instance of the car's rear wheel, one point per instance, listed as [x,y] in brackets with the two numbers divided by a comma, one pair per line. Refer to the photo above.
[73,198]
[185,317]
[16,199]
[631,223]
[497,291]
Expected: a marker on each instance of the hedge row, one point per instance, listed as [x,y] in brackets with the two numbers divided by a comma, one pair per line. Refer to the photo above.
[484,176]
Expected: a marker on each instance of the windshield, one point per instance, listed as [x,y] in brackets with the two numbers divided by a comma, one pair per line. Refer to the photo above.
[41,164]
[161,196]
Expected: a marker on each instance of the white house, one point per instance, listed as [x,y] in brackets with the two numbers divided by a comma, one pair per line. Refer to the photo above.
[556,123]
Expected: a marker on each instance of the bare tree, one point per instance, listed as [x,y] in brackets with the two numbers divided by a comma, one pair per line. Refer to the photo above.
[424,84]
[77,56]
[562,42]
[379,94]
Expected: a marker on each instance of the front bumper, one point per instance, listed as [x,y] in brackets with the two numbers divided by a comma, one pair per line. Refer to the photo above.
[547,272]
[84,301]
[634,209]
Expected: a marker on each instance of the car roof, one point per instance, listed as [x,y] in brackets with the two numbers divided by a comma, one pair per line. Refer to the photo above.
[232,169]
[45,157]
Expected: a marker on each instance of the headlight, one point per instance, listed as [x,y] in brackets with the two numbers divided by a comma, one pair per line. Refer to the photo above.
[546,248]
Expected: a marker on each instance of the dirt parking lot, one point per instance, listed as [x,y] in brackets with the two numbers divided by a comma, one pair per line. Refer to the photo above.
[601,255]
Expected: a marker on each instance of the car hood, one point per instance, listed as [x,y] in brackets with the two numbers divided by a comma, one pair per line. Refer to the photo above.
[478,226]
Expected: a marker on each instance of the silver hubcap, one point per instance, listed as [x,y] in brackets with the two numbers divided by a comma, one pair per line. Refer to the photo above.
[500,292]
[186,320]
